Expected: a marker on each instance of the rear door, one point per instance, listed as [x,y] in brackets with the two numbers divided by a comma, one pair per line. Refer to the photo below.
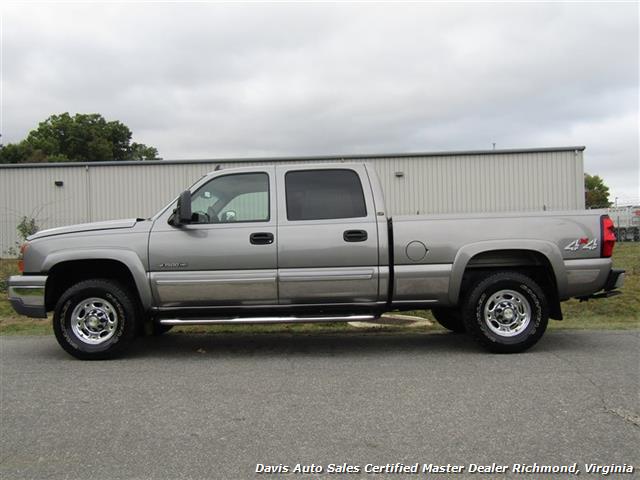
[327,236]
[228,255]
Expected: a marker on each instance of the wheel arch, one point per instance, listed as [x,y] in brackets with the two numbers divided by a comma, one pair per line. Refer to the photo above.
[542,260]
[67,268]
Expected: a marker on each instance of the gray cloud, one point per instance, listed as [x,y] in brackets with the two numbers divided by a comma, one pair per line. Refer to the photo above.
[209,80]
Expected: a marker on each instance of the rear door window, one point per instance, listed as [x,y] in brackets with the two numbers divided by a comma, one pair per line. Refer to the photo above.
[324,194]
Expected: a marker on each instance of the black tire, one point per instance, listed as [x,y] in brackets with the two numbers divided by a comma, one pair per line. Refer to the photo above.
[159,329]
[489,306]
[450,318]
[110,305]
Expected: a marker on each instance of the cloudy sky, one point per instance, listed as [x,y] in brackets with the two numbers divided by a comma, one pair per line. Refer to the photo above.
[206,80]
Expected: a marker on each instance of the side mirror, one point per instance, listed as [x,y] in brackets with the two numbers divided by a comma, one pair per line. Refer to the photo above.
[183,208]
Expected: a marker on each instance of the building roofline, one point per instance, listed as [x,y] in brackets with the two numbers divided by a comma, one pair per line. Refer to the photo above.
[300,158]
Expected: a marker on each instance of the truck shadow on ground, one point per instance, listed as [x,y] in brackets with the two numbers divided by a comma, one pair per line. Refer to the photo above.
[266,345]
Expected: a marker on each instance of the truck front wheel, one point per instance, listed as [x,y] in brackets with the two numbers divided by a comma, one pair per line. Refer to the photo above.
[95,319]
[506,312]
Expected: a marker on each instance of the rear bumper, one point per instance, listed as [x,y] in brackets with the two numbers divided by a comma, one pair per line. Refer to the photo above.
[615,280]
[26,294]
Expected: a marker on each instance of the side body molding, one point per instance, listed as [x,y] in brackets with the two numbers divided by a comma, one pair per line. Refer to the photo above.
[548,249]
[127,257]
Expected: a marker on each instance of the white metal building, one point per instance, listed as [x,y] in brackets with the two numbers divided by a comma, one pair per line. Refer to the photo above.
[440,182]
[627,222]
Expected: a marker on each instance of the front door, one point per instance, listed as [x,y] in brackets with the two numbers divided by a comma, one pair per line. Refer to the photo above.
[228,254]
[327,237]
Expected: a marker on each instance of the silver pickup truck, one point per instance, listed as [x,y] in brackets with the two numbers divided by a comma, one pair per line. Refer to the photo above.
[307,243]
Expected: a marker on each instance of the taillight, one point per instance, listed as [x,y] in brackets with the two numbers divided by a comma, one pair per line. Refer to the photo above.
[23,249]
[608,236]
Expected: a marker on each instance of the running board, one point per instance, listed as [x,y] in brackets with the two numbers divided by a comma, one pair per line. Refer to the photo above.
[246,320]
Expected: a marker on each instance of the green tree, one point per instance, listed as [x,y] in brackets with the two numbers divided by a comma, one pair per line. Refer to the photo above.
[139,151]
[14,153]
[78,138]
[596,193]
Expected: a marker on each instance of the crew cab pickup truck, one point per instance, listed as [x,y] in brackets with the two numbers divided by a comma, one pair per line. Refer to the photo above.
[311,243]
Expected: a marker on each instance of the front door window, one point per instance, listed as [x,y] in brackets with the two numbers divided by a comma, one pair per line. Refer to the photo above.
[239,197]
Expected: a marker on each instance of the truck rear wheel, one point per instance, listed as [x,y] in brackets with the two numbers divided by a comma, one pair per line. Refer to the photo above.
[507,312]
[449,318]
[95,319]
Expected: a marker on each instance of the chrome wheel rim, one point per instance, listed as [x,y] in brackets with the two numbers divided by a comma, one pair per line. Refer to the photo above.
[507,313]
[94,320]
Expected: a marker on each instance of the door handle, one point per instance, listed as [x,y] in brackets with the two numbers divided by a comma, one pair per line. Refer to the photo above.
[355,235]
[261,238]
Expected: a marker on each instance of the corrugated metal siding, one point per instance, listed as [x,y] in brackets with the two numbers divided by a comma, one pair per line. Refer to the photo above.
[430,184]
[483,183]
[32,193]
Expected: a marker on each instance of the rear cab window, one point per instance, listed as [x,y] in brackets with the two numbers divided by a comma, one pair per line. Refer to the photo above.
[324,194]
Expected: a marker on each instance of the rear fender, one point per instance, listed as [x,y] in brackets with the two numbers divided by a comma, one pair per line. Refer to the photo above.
[466,253]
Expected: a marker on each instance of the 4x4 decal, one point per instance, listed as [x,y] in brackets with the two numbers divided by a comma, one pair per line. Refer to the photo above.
[582,243]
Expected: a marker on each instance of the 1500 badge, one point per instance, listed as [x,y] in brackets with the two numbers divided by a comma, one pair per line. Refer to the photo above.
[582,243]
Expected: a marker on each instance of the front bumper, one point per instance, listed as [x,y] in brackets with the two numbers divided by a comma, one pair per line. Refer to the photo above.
[26,294]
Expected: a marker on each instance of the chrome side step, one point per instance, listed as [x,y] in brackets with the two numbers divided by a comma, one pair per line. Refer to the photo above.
[248,320]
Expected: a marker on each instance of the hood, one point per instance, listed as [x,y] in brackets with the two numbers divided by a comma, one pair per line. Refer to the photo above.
[85,227]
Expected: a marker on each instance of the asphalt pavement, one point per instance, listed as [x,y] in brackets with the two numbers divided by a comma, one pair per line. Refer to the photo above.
[208,407]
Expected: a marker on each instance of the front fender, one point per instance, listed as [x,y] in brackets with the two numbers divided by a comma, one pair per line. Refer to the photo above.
[127,257]
[550,251]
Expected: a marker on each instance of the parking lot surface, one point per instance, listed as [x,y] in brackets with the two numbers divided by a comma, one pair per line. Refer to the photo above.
[200,406]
